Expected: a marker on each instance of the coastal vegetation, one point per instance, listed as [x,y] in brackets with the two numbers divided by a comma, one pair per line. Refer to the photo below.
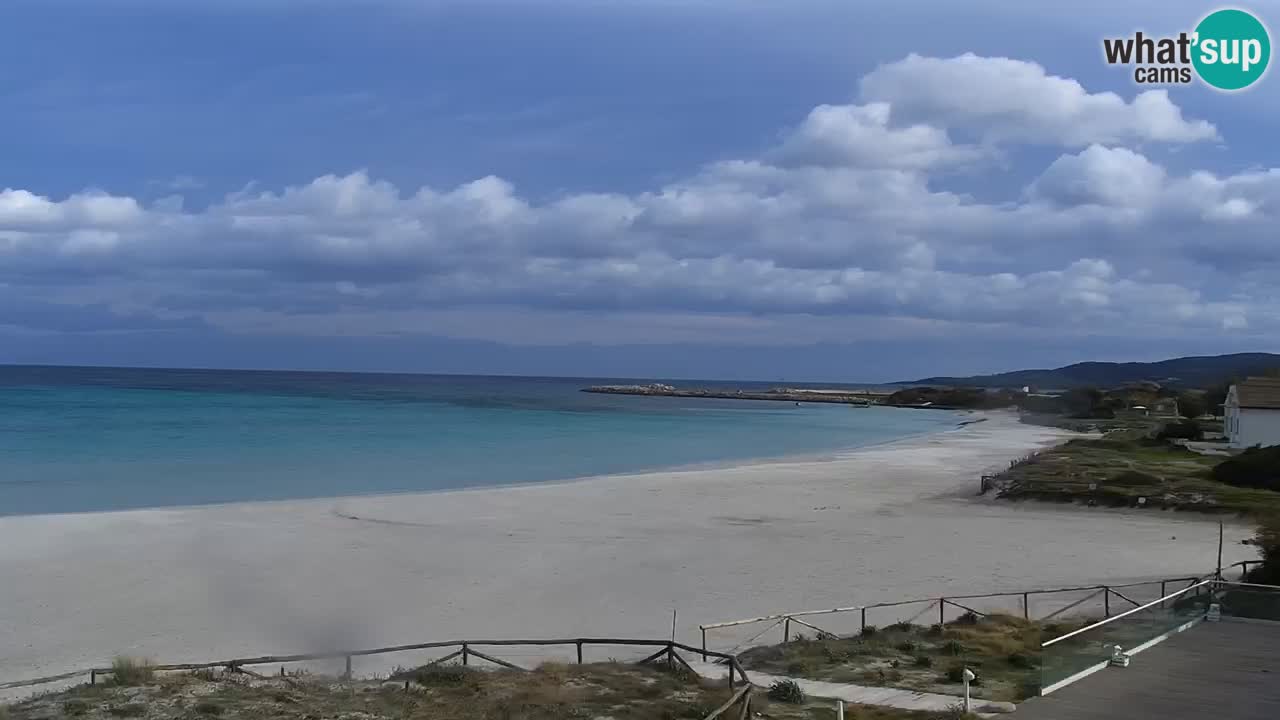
[553,691]
[1002,650]
[1137,468]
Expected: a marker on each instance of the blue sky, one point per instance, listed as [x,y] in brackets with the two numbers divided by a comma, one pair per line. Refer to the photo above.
[704,188]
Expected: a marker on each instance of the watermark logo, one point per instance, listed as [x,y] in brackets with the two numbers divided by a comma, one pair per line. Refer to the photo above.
[1228,50]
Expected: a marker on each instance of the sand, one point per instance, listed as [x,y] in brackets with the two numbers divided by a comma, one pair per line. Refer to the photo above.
[609,556]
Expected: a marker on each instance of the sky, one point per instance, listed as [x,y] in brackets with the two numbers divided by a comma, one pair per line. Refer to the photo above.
[765,190]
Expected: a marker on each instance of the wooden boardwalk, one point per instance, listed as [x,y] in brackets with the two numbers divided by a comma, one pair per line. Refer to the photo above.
[1224,671]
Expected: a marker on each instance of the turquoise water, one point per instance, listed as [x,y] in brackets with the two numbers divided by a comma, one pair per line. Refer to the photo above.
[82,439]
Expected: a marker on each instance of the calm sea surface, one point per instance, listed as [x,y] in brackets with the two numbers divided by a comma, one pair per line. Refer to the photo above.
[84,439]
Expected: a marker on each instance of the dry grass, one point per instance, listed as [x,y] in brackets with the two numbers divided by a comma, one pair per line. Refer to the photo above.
[1003,650]
[128,671]
[551,692]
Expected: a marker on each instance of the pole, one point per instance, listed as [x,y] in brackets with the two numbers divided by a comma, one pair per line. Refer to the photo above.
[1218,573]
[839,710]
[786,630]
[673,624]
[704,644]
[966,692]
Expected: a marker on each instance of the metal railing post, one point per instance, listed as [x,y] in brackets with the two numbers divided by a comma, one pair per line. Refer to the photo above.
[786,630]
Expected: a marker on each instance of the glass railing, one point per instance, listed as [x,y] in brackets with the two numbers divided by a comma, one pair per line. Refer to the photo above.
[1248,601]
[1071,656]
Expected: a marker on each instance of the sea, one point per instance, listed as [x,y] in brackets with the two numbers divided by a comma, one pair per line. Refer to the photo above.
[76,439]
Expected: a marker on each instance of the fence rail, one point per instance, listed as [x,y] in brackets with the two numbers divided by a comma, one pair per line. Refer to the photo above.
[668,650]
[942,603]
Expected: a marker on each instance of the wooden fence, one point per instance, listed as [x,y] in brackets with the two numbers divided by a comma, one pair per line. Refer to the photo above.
[668,651]
[1109,595]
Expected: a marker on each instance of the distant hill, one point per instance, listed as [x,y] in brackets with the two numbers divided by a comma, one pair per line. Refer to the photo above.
[1181,372]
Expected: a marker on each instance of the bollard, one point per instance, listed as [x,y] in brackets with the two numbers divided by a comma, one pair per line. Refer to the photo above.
[839,710]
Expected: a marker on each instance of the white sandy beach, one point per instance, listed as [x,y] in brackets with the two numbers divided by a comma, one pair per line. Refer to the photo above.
[607,556]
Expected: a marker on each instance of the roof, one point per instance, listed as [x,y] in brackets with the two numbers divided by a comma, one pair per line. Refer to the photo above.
[1259,392]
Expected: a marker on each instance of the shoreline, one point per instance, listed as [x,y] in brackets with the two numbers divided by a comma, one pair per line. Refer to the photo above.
[609,555]
[831,455]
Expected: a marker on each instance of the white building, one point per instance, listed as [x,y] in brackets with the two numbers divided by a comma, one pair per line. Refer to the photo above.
[1252,413]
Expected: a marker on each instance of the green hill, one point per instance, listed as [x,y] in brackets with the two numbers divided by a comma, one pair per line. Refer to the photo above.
[1178,372]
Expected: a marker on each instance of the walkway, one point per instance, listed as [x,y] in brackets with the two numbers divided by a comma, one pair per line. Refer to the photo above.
[860,694]
[1225,671]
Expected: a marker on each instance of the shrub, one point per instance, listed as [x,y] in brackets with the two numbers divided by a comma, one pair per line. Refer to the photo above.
[70,707]
[1021,660]
[129,710]
[1181,430]
[1253,468]
[922,661]
[907,647]
[955,711]
[953,647]
[786,691]
[934,631]
[448,674]
[968,618]
[129,671]
[868,631]
[208,708]
[901,626]
[1267,540]
[1130,478]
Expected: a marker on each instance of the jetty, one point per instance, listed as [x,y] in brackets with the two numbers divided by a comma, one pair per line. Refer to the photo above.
[811,395]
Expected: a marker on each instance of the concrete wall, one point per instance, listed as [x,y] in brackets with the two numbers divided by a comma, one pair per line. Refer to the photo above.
[1247,427]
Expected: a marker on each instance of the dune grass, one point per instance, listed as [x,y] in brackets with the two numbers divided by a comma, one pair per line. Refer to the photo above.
[128,671]
[553,691]
[1127,469]
[1003,650]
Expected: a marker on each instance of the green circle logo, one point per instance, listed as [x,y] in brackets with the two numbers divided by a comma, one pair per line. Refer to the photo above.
[1232,49]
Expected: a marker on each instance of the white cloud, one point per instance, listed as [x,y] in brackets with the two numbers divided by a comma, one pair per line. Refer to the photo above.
[861,136]
[844,218]
[1006,100]
[1103,176]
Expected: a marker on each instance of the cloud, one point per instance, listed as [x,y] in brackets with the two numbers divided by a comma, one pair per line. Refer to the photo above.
[860,136]
[846,217]
[1006,100]
[1116,177]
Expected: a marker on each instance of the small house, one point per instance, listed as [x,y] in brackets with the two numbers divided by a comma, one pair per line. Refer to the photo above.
[1252,413]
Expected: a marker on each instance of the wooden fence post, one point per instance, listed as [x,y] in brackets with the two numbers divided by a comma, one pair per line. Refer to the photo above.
[1026,606]
[864,619]
[465,653]
[942,611]
[786,630]
[93,677]
[579,652]
[1106,601]
[348,673]
[704,644]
